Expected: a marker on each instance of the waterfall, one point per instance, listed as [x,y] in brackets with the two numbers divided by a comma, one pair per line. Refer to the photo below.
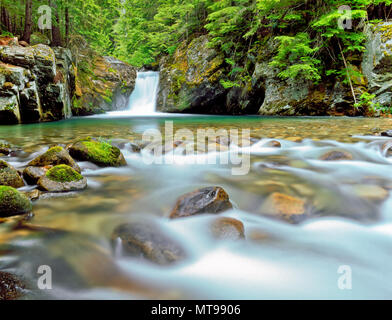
[144,97]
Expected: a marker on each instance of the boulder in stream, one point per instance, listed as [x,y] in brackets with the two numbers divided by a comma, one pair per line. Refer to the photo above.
[98,152]
[206,200]
[228,229]
[13,202]
[55,156]
[147,240]
[336,156]
[33,174]
[62,178]
[9,176]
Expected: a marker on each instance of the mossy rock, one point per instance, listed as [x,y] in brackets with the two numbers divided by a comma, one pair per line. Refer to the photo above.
[5,147]
[101,153]
[62,178]
[53,157]
[63,173]
[9,176]
[13,202]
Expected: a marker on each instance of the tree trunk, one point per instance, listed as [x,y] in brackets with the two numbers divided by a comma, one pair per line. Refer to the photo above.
[28,21]
[56,35]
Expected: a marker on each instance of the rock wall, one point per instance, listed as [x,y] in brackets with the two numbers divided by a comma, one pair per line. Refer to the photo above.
[377,62]
[40,83]
[190,81]
[102,83]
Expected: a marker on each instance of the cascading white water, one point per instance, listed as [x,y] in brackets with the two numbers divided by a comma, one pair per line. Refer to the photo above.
[144,96]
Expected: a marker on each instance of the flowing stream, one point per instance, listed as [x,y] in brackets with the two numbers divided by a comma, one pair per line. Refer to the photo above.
[349,205]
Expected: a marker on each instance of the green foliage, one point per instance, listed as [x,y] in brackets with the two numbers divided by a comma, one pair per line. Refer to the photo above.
[367,102]
[296,58]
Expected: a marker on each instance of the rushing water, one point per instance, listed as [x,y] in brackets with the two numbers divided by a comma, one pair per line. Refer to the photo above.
[349,205]
[276,260]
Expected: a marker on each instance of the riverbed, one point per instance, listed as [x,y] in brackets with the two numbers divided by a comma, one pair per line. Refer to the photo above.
[348,225]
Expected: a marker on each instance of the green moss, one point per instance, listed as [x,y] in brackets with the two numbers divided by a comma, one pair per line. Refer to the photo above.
[55,149]
[12,202]
[63,173]
[101,151]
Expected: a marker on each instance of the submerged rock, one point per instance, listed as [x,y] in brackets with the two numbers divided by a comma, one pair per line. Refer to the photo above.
[13,202]
[285,207]
[100,153]
[206,200]
[228,229]
[55,156]
[370,192]
[9,176]
[147,240]
[62,178]
[11,287]
[336,156]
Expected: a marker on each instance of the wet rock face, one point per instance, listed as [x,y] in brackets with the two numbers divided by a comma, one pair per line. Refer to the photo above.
[147,240]
[13,202]
[189,81]
[39,83]
[296,97]
[206,200]
[9,176]
[54,156]
[62,178]
[100,153]
[101,83]
[11,287]
[377,62]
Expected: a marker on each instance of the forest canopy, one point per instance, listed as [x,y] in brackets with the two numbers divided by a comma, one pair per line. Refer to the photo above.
[312,42]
